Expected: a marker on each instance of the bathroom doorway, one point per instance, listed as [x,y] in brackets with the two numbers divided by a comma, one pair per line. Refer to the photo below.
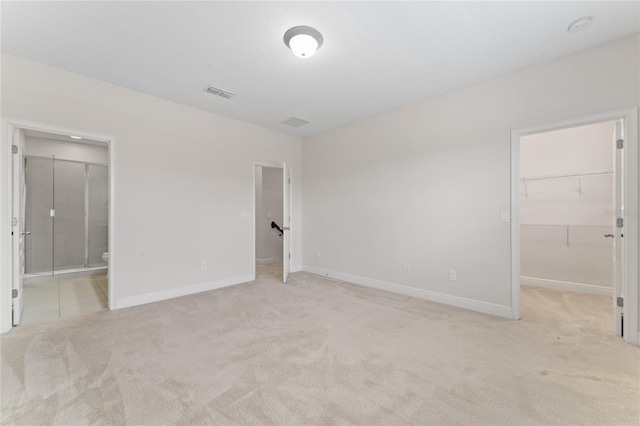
[61,225]
[272,221]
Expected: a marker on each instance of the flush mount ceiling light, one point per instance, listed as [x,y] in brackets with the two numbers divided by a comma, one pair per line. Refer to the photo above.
[75,137]
[580,24]
[303,41]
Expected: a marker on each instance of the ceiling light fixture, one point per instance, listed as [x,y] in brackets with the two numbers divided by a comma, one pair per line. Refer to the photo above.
[580,24]
[75,137]
[303,41]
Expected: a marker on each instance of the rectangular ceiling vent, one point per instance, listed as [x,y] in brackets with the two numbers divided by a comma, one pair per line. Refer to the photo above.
[295,122]
[219,92]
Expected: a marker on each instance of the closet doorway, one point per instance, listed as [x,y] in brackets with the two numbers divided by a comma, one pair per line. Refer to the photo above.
[574,207]
[272,221]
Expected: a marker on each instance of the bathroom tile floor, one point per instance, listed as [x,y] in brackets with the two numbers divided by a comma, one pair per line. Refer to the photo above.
[53,298]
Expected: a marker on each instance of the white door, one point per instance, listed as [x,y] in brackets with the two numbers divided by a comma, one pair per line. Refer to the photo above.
[18,225]
[286,223]
[618,208]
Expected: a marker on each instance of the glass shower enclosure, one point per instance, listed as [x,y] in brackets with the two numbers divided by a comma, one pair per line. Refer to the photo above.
[65,215]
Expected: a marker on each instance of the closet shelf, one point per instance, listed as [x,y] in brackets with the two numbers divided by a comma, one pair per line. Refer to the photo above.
[569,228]
[579,176]
[571,175]
[559,226]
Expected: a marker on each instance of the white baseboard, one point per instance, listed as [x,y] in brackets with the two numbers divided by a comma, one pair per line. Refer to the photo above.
[296,268]
[157,296]
[459,302]
[267,261]
[567,286]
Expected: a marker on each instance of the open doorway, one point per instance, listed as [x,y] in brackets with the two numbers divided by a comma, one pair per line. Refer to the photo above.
[575,224]
[272,226]
[61,223]
[567,252]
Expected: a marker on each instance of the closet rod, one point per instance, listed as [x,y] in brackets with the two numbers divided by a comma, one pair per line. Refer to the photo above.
[572,175]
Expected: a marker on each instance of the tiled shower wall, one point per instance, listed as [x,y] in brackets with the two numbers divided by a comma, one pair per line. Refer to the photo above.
[98,182]
[59,243]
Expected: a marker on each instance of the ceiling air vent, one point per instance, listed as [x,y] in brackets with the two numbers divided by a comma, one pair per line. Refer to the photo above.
[295,122]
[219,92]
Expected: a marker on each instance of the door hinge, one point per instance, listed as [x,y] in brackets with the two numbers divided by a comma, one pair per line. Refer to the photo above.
[620,143]
[14,293]
[619,222]
[289,255]
[14,221]
[14,149]
[289,180]
[620,301]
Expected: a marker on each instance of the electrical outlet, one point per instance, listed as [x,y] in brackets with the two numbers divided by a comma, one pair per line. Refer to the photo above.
[452,275]
[203,265]
[406,268]
[504,216]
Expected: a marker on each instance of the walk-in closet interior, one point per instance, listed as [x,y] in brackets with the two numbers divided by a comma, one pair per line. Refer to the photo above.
[566,214]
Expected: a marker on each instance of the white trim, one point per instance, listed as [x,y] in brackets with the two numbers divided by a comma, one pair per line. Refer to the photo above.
[296,268]
[459,302]
[9,124]
[630,263]
[172,293]
[567,286]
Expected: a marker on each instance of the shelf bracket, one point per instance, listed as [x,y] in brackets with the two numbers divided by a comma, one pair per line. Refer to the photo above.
[579,184]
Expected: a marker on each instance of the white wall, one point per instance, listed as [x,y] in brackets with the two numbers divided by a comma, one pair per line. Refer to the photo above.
[64,150]
[424,184]
[183,178]
[269,206]
[544,252]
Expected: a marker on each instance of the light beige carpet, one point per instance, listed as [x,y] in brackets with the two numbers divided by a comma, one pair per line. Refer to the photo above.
[318,351]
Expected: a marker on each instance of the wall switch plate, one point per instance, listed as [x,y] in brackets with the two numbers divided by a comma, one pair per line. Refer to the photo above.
[203,265]
[504,216]
[406,268]
[452,275]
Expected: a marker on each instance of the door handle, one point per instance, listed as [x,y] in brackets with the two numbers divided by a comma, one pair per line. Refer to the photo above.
[26,233]
[608,235]
[286,228]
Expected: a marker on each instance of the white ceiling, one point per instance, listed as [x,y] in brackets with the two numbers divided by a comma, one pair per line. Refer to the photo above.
[376,56]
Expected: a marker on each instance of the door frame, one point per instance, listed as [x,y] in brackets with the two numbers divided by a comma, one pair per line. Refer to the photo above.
[630,196]
[8,125]
[272,165]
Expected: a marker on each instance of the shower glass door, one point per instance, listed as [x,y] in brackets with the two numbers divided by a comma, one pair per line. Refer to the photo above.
[39,214]
[69,221]
[66,215]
